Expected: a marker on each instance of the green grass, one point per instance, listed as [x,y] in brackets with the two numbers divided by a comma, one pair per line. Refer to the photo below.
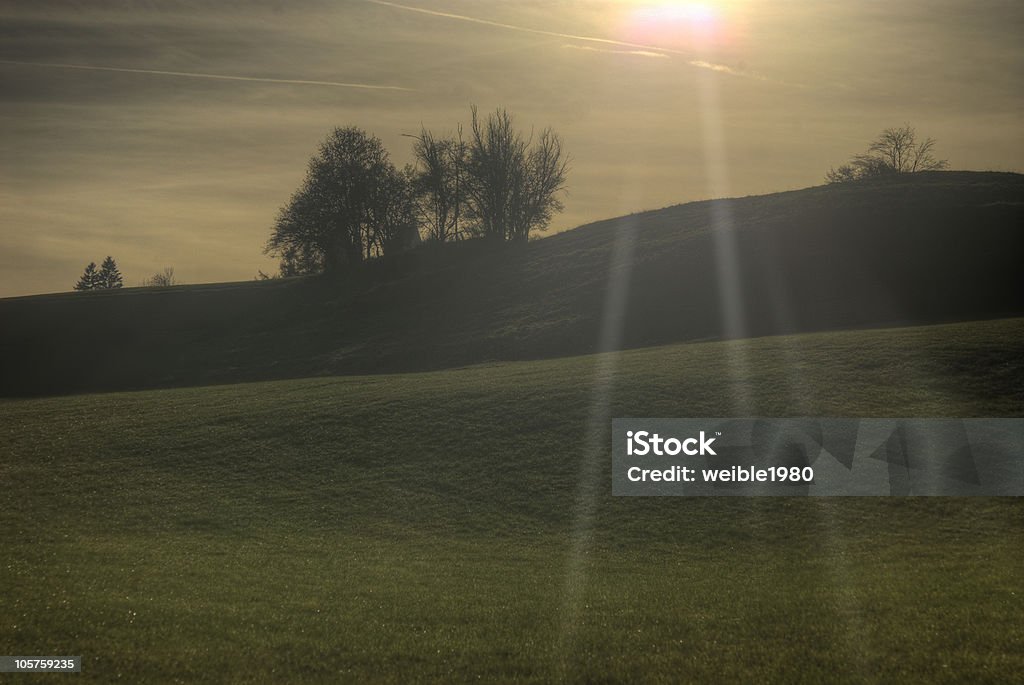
[445,526]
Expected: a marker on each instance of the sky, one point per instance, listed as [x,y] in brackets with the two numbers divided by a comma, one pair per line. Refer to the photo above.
[170,133]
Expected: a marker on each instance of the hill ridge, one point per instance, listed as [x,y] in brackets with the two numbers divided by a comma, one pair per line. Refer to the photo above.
[928,248]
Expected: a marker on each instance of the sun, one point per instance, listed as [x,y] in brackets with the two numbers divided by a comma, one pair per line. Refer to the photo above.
[675,23]
[694,13]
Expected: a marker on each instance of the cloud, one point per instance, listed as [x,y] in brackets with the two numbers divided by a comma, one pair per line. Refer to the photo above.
[639,53]
[189,74]
[721,68]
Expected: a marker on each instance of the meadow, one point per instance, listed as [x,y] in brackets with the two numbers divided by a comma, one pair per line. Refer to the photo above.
[458,525]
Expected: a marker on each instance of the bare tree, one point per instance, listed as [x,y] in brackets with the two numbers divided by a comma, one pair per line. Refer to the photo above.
[545,177]
[895,151]
[899,150]
[439,184]
[392,214]
[495,172]
[298,239]
[161,279]
[352,205]
[512,185]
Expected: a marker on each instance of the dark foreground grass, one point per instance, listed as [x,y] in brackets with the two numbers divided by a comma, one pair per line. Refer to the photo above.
[453,526]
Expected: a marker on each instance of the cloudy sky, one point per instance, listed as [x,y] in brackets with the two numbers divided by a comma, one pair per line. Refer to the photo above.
[169,133]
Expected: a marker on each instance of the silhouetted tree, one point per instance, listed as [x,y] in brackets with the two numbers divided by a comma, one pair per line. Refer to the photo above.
[353,204]
[109,276]
[161,279]
[392,214]
[439,184]
[296,239]
[512,183]
[90,279]
[895,151]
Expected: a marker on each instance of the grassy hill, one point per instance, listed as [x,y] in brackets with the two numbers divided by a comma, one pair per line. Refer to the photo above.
[456,526]
[919,249]
[451,520]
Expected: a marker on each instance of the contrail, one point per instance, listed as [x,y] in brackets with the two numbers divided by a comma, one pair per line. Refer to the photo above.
[638,48]
[525,29]
[220,77]
[640,53]
[728,70]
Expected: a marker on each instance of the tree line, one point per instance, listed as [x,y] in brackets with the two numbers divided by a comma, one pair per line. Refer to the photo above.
[495,183]
[355,204]
[108,277]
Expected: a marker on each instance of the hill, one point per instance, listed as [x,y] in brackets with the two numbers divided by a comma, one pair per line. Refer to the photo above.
[458,525]
[926,248]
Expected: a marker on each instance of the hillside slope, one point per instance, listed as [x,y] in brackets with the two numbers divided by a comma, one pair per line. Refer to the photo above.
[926,248]
[458,526]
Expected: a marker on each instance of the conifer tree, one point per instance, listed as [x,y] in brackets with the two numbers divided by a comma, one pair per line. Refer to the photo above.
[89,279]
[109,276]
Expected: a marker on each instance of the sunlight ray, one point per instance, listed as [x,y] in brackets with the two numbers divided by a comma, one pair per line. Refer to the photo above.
[590,481]
[723,230]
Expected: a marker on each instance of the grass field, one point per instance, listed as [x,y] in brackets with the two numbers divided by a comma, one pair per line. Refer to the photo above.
[458,526]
